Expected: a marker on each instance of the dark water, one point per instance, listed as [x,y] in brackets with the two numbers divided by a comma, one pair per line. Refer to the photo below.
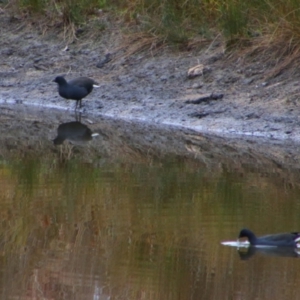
[145,226]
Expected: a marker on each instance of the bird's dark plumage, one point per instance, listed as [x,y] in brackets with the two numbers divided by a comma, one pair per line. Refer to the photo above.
[75,89]
[291,239]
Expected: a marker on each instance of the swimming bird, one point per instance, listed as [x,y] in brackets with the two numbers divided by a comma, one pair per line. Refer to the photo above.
[290,239]
[75,89]
[75,132]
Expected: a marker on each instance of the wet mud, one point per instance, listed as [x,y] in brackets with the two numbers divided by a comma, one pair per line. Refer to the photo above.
[232,109]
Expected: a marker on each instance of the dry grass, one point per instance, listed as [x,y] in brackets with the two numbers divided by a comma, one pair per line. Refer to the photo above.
[249,25]
[137,42]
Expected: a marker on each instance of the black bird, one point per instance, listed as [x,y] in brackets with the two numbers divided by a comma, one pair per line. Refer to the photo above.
[75,89]
[290,239]
[75,132]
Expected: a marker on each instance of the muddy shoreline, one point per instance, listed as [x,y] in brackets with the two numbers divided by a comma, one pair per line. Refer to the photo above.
[152,88]
[27,131]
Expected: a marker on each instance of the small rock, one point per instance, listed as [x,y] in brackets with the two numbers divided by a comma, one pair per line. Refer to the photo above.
[199,115]
[104,61]
[205,98]
[197,85]
[37,59]
[66,48]
[163,78]
[248,80]
[196,71]
[40,67]
[252,115]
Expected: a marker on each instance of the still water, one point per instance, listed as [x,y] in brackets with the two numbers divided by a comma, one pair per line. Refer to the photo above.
[146,228]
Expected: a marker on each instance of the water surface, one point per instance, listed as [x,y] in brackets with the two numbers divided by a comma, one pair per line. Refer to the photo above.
[145,225]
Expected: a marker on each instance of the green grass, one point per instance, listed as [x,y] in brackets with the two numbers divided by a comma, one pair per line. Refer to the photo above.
[179,21]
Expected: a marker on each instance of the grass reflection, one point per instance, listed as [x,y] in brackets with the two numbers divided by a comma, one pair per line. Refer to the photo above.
[141,230]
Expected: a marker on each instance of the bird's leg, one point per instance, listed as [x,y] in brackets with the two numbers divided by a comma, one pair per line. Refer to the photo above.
[80,104]
[78,116]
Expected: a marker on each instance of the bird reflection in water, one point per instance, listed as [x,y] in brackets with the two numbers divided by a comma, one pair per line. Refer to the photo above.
[246,253]
[76,133]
